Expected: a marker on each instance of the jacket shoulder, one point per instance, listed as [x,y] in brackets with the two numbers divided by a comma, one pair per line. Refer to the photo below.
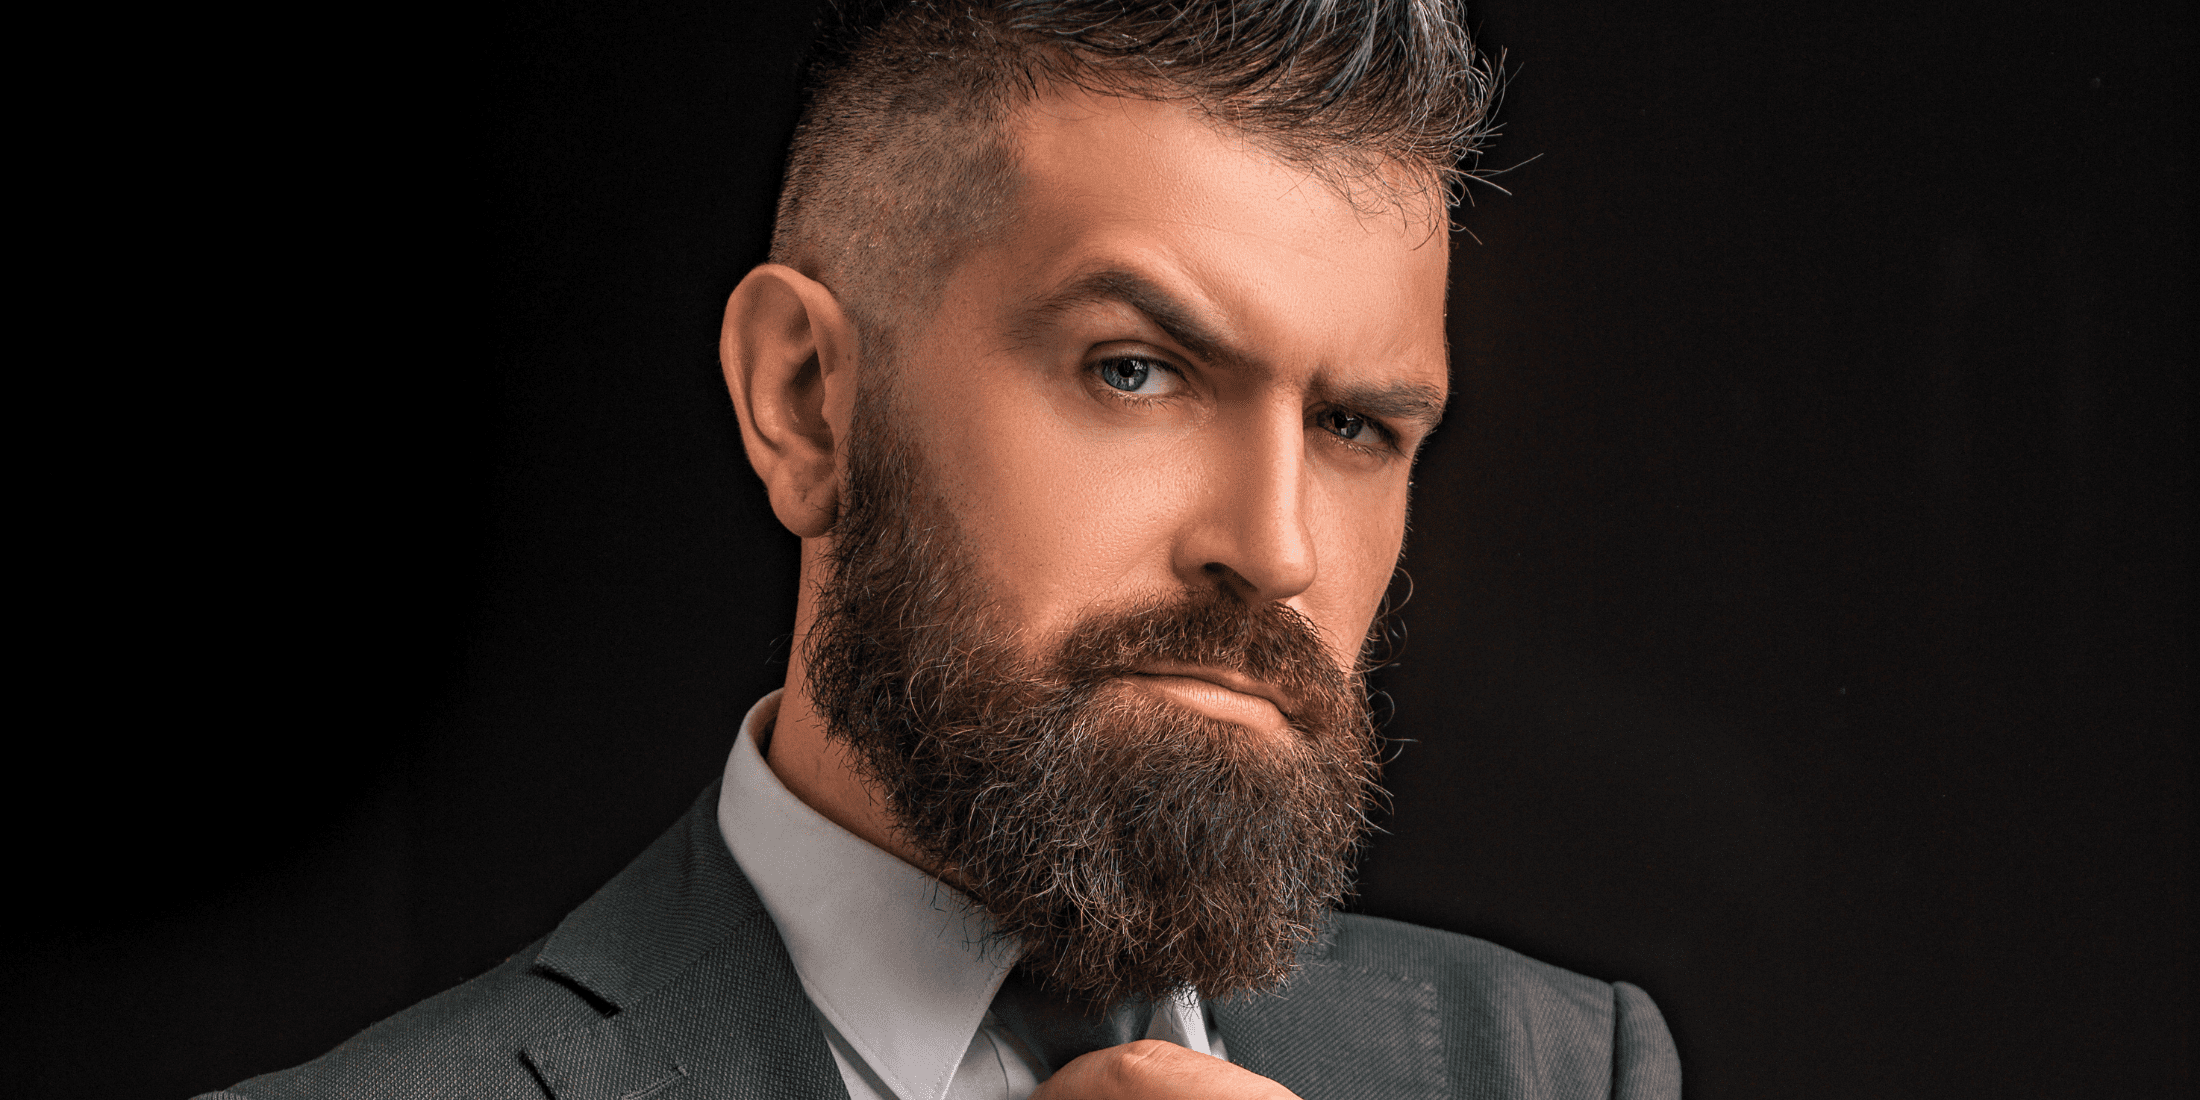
[1518,1026]
[1443,1014]
[672,970]
[463,1042]
[1473,974]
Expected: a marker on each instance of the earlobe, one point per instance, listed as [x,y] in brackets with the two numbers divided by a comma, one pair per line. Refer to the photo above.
[788,353]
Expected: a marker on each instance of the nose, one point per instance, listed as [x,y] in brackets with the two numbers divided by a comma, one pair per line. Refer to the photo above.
[1250,529]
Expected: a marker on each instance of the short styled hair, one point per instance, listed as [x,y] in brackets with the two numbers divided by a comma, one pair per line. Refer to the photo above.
[902,160]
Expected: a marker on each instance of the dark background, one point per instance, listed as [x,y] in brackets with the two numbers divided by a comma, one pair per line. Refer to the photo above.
[1801,625]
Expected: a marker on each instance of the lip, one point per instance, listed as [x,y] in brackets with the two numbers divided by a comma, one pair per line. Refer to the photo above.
[1222,678]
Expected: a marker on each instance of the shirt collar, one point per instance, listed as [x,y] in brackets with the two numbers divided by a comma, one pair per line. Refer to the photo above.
[901,963]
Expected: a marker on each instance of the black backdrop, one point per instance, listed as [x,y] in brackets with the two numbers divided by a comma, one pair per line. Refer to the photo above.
[1801,614]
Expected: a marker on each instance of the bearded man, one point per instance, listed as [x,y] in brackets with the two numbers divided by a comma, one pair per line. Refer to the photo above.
[1096,347]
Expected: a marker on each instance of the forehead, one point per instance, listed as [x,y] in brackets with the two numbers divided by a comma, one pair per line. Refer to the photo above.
[1280,261]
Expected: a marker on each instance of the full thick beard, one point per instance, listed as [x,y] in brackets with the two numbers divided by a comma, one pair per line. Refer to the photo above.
[1132,847]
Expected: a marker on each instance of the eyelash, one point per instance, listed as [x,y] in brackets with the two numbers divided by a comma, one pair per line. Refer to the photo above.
[1099,366]
[1383,431]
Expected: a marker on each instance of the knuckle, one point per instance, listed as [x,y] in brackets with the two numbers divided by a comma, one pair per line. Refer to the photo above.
[1153,1068]
[1135,1062]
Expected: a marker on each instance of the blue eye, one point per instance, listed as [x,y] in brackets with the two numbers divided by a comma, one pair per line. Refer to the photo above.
[1128,375]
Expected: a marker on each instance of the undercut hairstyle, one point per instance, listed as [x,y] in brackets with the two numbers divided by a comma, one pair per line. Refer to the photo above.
[902,158]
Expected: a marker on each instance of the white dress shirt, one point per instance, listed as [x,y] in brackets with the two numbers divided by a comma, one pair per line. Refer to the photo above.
[901,966]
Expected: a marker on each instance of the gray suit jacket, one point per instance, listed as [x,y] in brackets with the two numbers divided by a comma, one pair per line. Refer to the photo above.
[672,984]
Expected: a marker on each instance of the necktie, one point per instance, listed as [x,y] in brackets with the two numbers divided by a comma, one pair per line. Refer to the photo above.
[1058,1028]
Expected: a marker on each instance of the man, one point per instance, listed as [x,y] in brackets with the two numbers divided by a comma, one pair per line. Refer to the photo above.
[1096,348]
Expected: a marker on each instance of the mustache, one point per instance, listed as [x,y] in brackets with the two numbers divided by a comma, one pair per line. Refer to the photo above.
[1268,642]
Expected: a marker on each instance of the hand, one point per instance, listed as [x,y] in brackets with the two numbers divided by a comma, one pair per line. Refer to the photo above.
[1150,1069]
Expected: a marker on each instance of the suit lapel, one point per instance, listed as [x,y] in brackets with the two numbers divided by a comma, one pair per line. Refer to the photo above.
[703,1000]
[1338,1032]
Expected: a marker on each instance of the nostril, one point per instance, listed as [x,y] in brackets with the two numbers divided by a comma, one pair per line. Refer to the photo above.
[1229,582]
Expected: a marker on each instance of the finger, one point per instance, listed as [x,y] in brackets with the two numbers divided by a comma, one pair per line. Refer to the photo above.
[1153,1070]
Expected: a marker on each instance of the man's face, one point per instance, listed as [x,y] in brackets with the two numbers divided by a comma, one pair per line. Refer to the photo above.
[1109,540]
[1186,365]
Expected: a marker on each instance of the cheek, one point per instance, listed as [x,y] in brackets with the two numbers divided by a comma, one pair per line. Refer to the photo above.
[1359,555]
[1057,520]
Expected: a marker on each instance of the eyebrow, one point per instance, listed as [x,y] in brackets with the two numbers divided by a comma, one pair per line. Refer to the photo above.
[1177,318]
[1411,401]
[1424,405]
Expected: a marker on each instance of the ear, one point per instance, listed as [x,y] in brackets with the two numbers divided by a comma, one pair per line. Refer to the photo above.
[789,355]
